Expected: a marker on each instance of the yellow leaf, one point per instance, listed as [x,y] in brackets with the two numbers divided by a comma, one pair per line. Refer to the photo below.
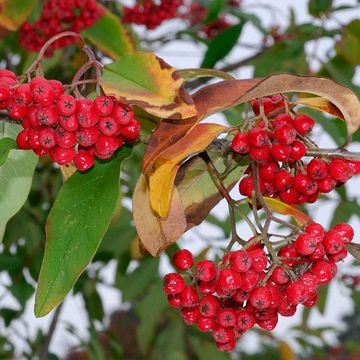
[163,172]
[286,352]
[13,13]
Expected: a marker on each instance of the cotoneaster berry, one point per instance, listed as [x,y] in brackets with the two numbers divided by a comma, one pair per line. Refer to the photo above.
[66,128]
[242,290]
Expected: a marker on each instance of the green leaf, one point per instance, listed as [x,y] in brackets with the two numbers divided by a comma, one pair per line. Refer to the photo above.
[150,311]
[110,36]
[349,45]
[213,10]
[221,45]
[134,284]
[319,7]
[6,145]
[284,56]
[22,291]
[323,294]
[344,211]
[15,177]
[147,81]
[93,301]
[76,224]
[13,13]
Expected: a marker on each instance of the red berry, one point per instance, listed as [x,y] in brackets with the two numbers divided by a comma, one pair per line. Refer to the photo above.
[226,317]
[288,251]
[240,143]
[298,150]
[317,169]
[222,335]
[310,281]
[87,118]
[240,261]
[42,91]
[206,287]
[108,126]
[316,231]
[61,155]
[83,160]
[318,253]
[280,276]
[103,105]
[346,231]
[340,170]
[245,320]
[268,171]
[87,136]
[327,184]
[190,315]
[282,119]
[47,115]
[301,183]
[34,138]
[305,244]
[22,140]
[183,260]
[106,144]
[131,130]
[205,270]
[69,123]
[283,180]
[297,292]
[333,242]
[285,134]
[228,280]
[227,347]
[175,300]
[66,105]
[258,137]
[189,297]
[262,154]
[260,297]
[280,152]
[323,270]
[174,283]
[258,259]
[209,306]
[47,138]
[303,124]
[123,114]
[249,280]
[270,324]
[205,324]
[65,139]
[340,256]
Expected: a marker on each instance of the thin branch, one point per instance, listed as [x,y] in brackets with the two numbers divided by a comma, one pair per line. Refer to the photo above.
[44,351]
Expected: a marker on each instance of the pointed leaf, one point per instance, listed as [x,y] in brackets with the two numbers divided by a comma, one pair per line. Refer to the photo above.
[147,81]
[6,145]
[76,224]
[221,45]
[349,46]
[13,13]
[15,178]
[110,36]
[285,209]
[163,172]
[321,104]
[155,233]
[354,250]
[229,93]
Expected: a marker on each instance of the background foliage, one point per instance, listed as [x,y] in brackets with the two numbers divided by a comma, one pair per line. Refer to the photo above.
[140,327]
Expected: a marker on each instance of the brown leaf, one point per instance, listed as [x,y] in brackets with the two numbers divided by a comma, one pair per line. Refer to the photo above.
[225,94]
[156,234]
[354,250]
[319,103]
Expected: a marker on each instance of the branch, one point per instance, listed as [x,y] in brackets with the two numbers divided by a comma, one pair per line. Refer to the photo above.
[335,153]
[44,351]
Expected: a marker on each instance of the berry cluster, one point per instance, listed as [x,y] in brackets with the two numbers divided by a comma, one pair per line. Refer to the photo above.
[66,128]
[229,298]
[151,14]
[57,16]
[279,145]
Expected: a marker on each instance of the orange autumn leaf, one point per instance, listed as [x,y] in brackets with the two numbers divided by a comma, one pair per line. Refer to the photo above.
[285,209]
[163,172]
[319,103]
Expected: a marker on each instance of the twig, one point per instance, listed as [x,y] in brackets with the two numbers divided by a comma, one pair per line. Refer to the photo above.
[44,351]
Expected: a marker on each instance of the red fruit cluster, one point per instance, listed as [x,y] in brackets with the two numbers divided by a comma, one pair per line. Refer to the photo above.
[279,149]
[152,14]
[215,27]
[244,290]
[66,128]
[57,16]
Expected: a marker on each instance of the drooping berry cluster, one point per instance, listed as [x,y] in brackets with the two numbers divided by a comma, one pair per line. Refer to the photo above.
[57,16]
[279,144]
[152,14]
[246,288]
[66,128]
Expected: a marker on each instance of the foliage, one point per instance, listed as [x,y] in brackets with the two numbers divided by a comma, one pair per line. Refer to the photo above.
[167,180]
